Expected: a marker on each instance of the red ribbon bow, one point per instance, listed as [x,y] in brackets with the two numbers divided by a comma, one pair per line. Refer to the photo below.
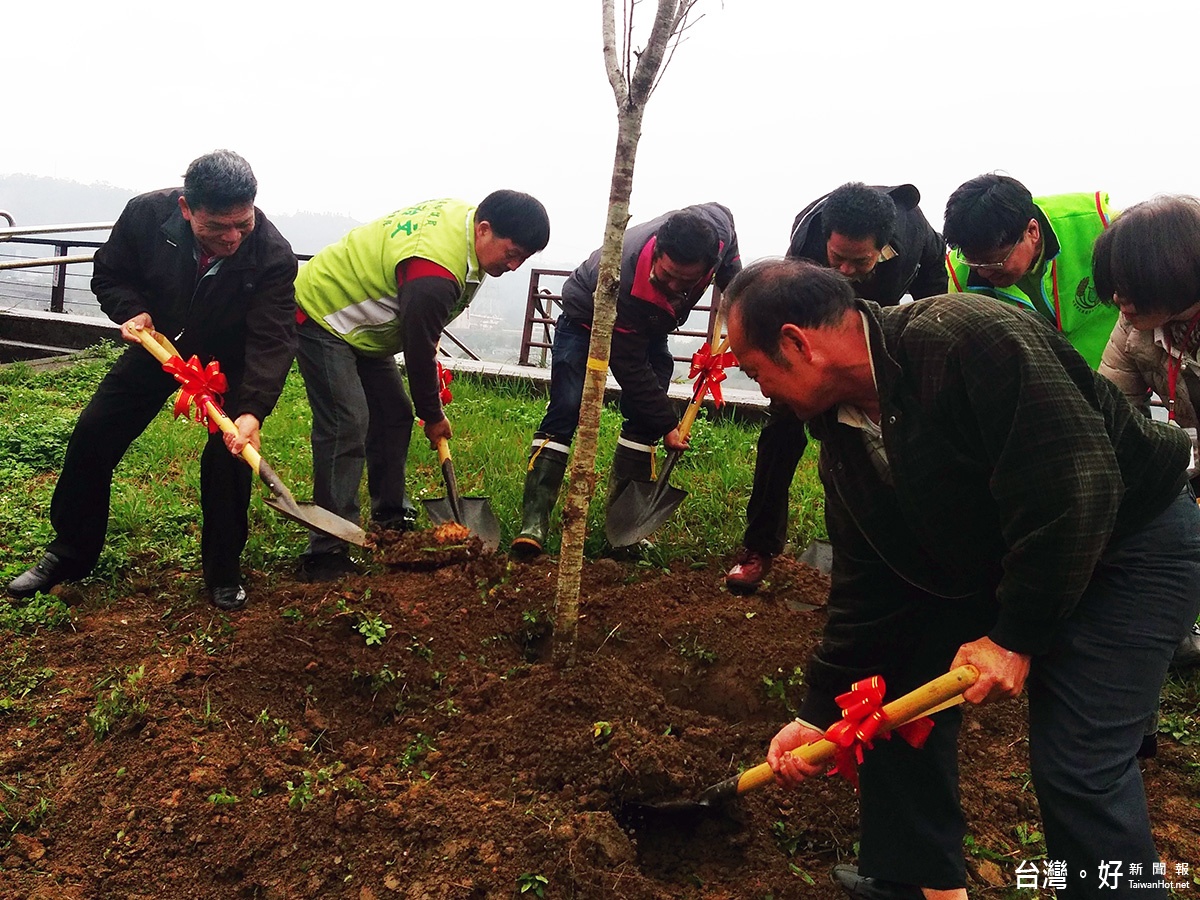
[445,376]
[711,366]
[862,719]
[198,385]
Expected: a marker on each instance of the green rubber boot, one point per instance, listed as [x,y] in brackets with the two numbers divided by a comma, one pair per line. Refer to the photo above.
[631,462]
[547,466]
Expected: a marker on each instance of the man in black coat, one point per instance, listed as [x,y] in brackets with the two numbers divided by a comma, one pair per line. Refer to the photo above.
[203,266]
[879,239]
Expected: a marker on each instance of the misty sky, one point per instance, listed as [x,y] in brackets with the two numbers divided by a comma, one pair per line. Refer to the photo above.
[359,108]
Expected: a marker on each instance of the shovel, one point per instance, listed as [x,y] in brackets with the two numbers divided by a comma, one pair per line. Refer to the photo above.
[933,696]
[473,513]
[642,506]
[281,500]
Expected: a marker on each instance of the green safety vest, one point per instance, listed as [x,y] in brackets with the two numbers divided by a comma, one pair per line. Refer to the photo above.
[1068,299]
[350,288]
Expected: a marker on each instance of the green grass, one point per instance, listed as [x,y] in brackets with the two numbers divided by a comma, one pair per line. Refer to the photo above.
[154,515]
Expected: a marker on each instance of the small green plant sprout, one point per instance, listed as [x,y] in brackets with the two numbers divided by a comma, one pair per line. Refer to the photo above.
[531,883]
[292,614]
[602,731]
[373,629]
[300,793]
[780,687]
[124,703]
[223,797]
[691,649]
[417,749]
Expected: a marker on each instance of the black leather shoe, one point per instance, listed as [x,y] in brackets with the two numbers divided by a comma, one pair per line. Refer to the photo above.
[49,571]
[848,879]
[229,599]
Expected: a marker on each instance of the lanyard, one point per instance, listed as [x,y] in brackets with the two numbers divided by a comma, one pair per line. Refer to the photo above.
[1175,363]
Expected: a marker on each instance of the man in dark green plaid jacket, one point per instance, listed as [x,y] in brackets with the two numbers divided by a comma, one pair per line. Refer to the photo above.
[990,501]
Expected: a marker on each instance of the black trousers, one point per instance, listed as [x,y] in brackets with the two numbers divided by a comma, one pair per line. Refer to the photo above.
[128,398]
[780,446]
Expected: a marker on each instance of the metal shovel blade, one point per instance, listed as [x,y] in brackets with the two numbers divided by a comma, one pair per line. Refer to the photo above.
[477,517]
[319,519]
[639,510]
[308,514]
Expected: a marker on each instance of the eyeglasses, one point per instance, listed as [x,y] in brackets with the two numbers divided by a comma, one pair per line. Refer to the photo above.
[993,266]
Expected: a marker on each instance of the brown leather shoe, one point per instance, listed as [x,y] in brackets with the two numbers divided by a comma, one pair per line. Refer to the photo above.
[749,569]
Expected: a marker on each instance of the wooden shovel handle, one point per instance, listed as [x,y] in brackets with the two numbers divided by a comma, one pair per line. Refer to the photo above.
[162,349]
[693,408]
[934,696]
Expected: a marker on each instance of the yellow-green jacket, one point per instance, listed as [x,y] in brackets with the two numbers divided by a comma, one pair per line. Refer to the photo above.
[1070,224]
[349,288]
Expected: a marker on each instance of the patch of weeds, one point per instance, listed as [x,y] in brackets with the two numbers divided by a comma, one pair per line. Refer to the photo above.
[786,839]
[16,813]
[373,629]
[313,785]
[208,714]
[223,797]
[532,883]
[125,703]
[416,751]
[292,614]
[213,637]
[1030,838]
[420,649]
[275,730]
[37,612]
[691,649]
[977,850]
[781,686]
[18,680]
[377,681]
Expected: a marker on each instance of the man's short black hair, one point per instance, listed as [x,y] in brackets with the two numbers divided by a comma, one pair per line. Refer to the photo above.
[1150,256]
[688,238]
[771,293]
[986,214]
[517,217]
[218,182]
[858,211]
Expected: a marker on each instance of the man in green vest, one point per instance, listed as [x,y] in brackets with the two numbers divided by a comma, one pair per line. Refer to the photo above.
[388,287]
[1035,254]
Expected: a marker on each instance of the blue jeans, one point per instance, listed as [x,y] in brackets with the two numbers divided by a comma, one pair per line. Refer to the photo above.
[568,365]
[362,416]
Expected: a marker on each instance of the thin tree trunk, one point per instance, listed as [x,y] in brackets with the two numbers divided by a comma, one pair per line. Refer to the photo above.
[631,91]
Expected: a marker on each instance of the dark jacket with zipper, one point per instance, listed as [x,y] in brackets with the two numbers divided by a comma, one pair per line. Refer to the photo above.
[644,314]
[918,268]
[242,314]
[1012,465]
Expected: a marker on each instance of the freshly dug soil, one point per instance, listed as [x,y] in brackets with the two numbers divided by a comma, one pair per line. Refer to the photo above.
[404,734]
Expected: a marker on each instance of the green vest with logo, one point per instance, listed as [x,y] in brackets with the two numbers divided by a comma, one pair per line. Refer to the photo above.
[1067,299]
[350,288]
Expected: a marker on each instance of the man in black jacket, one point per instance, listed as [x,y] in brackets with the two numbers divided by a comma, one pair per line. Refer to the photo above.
[667,265]
[203,266]
[879,239]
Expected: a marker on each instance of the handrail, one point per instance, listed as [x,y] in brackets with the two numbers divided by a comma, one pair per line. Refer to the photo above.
[7,215]
[20,231]
[46,261]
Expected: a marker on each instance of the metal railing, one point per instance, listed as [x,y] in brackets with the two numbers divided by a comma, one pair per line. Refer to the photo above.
[71,273]
[543,305]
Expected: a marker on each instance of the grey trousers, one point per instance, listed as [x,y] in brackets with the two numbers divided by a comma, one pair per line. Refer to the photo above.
[362,417]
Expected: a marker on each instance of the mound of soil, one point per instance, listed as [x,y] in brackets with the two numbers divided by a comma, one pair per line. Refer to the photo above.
[403,734]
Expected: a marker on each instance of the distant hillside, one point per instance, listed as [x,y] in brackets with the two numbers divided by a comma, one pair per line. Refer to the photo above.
[35,200]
